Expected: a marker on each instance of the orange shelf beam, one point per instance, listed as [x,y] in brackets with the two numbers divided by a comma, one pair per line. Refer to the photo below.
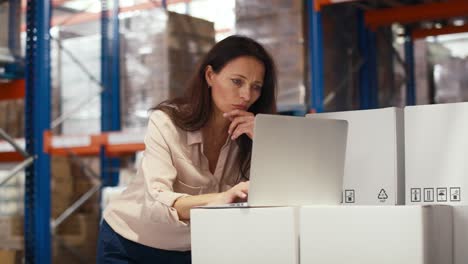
[8,152]
[90,147]
[122,149]
[416,13]
[124,142]
[15,89]
[10,157]
[319,3]
[422,33]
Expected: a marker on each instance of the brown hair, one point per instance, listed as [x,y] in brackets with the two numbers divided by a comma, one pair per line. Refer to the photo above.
[192,110]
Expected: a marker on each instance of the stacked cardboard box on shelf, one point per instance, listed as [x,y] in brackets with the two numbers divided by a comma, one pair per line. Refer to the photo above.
[11,232]
[12,117]
[12,194]
[278,25]
[159,53]
[83,183]
[79,231]
[4,8]
[11,256]
[5,53]
[61,185]
[451,83]
[75,86]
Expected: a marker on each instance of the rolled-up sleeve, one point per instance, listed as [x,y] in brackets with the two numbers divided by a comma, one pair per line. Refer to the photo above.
[159,171]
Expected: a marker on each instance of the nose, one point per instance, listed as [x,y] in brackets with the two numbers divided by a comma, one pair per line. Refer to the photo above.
[245,93]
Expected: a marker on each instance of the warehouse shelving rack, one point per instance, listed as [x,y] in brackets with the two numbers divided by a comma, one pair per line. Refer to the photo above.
[368,22]
[38,139]
[40,142]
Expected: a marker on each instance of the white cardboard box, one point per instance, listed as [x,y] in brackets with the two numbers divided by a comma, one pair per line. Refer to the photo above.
[245,235]
[436,163]
[460,229]
[374,169]
[436,142]
[376,234]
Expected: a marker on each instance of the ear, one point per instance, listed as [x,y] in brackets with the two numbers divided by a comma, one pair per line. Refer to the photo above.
[209,75]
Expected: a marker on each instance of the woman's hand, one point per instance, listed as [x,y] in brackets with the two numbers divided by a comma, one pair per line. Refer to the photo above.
[242,122]
[237,193]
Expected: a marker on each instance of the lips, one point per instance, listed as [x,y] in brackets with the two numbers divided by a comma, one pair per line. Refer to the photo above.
[240,107]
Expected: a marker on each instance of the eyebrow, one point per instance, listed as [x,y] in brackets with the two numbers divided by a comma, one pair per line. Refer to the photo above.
[242,76]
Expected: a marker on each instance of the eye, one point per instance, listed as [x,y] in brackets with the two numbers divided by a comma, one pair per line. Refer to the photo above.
[257,87]
[237,82]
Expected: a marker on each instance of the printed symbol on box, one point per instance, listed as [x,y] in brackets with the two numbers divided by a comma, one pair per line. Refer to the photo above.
[455,194]
[349,196]
[441,194]
[415,194]
[428,194]
[382,195]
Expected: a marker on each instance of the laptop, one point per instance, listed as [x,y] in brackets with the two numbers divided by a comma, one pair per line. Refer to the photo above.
[296,161]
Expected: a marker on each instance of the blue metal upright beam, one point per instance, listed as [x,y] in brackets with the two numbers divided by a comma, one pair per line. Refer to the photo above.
[315,58]
[368,78]
[110,97]
[38,98]
[409,61]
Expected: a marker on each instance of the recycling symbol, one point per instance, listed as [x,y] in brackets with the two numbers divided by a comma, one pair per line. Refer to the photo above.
[382,195]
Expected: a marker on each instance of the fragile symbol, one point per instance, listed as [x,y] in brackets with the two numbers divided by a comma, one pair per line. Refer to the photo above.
[415,194]
[441,194]
[349,196]
[382,195]
[428,194]
[455,194]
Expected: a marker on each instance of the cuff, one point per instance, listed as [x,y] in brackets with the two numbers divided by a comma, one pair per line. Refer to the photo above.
[168,198]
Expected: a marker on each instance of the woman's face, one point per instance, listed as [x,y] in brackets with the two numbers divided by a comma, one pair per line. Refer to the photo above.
[238,85]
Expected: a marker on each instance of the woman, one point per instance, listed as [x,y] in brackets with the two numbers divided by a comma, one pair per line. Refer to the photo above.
[197,153]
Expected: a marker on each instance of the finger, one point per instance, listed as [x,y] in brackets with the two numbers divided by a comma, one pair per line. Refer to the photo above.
[241,194]
[237,121]
[241,129]
[243,186]
[237,112]
[246,128]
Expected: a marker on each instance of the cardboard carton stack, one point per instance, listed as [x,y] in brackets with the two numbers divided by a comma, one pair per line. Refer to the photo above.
[5,52]
[12,195]
[278,25]
[75,86]
[12,117]
[79,231]
[4,8]
[375,158]
[436,150]
[11,232]
[160,51]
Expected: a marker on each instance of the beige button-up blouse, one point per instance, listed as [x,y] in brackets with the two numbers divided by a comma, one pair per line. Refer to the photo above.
[173,165]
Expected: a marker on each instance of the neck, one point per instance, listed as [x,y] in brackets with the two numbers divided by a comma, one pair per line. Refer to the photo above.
[217,126]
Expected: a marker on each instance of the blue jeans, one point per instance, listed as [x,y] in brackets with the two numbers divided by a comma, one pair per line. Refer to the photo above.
[114,248]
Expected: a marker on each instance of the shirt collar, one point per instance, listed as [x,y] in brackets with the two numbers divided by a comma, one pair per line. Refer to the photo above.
[194,137]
